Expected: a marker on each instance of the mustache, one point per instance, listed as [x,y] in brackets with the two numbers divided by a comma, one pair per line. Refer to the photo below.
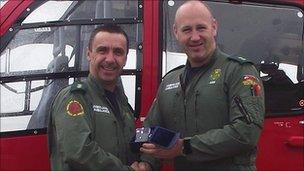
[109,65]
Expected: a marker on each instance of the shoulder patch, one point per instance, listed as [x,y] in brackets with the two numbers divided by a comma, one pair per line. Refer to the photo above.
[253,82]
[78,87]
[174,69]
[239,59]
[74,108]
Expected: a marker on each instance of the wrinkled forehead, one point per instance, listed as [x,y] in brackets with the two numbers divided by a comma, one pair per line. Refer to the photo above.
[110,40]
[103,36]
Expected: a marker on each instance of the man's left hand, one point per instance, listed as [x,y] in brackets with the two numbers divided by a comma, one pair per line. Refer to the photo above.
[141,166]
[162,153]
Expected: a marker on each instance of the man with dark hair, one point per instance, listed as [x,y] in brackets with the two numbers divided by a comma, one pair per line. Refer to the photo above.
[216,101]
[91,123]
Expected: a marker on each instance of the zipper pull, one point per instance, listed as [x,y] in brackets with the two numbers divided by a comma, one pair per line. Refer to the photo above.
[242,109]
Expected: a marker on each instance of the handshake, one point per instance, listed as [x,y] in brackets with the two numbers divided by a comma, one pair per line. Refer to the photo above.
[157,135]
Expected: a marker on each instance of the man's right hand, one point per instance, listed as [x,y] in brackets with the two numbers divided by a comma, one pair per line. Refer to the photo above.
[162,153]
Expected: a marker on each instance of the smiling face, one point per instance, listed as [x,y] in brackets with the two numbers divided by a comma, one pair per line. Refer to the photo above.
[195,29]
[107,57]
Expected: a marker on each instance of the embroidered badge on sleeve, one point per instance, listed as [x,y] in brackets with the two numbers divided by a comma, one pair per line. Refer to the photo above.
[252,81]
[74,108]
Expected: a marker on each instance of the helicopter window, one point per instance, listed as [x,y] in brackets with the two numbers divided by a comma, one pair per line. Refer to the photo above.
[47,52]
[86,10]
[290,71]
[2,2]
[106,9]
[270,36]
[45,12]
[16,97]
[129,84]
[30,50]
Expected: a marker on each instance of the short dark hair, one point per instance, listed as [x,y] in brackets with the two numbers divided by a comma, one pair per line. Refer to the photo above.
[110,28]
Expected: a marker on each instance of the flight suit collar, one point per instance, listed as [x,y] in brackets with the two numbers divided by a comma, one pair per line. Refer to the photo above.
[201,69]
[98,88]
[213,58]
[96,84]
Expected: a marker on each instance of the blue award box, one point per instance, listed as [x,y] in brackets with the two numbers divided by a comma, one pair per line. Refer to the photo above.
[160,136]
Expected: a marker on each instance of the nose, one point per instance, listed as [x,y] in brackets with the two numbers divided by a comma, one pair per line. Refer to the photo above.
[110,58]
[195,36]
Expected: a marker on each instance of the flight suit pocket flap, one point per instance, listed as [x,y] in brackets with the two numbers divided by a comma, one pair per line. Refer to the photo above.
[253,109]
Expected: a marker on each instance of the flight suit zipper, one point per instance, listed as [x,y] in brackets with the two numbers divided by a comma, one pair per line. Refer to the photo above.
[242,109]
[125,155]
[195,110]
[117,135]
[117,125]
[184,100]
[185,116]
[120,131]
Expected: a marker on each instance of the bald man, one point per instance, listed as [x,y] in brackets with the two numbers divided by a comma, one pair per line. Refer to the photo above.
[216,101]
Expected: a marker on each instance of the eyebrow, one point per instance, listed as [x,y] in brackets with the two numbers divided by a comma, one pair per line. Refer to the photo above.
[119,49]
[185,27]
[115,49]
[101,48]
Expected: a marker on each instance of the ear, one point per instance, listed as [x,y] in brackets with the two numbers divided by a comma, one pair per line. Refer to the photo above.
[89,53]
[175,30]
[214,26]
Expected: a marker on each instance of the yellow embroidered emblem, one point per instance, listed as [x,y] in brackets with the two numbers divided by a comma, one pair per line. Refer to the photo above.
[74,108]
[215,74]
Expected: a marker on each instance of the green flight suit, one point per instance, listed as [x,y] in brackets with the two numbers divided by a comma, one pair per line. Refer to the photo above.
[85,134]
[221,111]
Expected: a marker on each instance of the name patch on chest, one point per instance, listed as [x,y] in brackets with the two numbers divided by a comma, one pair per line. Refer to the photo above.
[101,109]
[172,86]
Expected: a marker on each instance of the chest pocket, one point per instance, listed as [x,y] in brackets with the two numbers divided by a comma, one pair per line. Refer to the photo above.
[212,92]
[105,130]
[211,106]
[129,126]
[172,108]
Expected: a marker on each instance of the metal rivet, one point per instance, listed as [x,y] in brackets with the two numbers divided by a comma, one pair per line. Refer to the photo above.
[138,88]
[139,46]
[11,29]
[28,9]
[300,14]
[140,6]
[171,3]
[35,132]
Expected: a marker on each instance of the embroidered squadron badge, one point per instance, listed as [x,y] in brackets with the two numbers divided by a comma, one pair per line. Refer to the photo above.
[74,108]
[215,75]
[252,81]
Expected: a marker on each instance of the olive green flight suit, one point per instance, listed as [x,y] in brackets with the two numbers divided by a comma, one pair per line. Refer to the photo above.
[221,111]
[84,132]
